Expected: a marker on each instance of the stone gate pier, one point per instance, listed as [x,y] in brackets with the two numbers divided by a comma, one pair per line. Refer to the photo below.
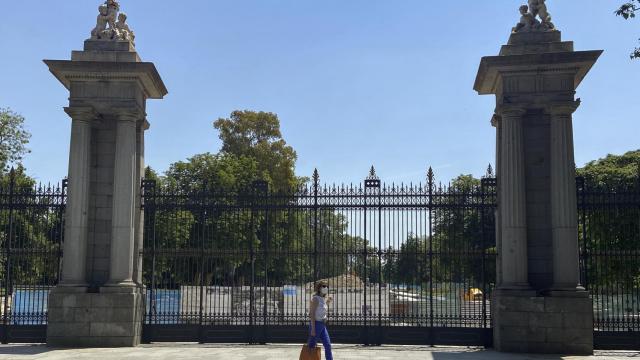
[99,301]
[539,304]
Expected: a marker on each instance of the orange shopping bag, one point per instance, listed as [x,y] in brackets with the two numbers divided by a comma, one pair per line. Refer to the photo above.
[308,353]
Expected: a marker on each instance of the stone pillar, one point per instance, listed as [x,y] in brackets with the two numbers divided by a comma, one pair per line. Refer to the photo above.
[77,212]
[537,306]
[139,221]
[124,191]
[109,86]
[496,121]
[564,213]
[513,223]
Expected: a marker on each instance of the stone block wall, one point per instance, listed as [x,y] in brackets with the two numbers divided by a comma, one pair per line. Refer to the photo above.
[562,325]
[536,138]
[95,319]
[100,202]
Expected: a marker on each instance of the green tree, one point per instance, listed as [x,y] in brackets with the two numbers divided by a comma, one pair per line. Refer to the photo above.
[612,171]
[412,264]
[612,222]
[31,223]
[628,11]
[257,135]
[13,138]
[198,186]
[459,240]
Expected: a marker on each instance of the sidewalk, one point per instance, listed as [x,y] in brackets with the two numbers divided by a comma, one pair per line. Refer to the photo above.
[281,352]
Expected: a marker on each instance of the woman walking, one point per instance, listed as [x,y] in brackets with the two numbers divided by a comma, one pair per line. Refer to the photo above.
[318,316]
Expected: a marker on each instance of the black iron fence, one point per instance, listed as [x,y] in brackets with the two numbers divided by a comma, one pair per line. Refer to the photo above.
[609,230]
[405,264]
[31,226]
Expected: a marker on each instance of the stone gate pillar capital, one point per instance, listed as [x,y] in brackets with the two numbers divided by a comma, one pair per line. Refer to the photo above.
[563,108]
[81,113]
[512,110]
[128,114]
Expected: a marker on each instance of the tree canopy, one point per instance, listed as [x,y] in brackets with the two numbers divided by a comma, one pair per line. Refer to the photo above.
[13,138]
[628,11]
[612,170]
[257,135]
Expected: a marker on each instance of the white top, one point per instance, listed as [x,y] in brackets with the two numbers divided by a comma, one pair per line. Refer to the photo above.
[321,309]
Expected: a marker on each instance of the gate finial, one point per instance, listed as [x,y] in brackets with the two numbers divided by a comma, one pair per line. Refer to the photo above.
[372,174]
[489,171]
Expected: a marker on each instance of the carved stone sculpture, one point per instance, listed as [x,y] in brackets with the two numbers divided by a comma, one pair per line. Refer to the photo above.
[113,7]
[528,21]
[539,8]
[101,23]
[107,28]
[124,32]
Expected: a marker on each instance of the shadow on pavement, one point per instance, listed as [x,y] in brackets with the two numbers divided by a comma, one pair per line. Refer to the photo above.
[488,354]
[27,349]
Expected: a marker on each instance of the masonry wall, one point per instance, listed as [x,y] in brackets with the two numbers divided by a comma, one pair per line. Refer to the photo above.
[536,137]
[100,202]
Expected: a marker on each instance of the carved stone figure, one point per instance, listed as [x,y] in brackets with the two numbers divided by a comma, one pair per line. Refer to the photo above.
[107,28]
[124,32]
[101,23]
[113,7]
[528,21]
[539,8]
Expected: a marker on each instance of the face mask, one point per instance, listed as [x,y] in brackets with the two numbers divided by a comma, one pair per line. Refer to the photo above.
[324,290]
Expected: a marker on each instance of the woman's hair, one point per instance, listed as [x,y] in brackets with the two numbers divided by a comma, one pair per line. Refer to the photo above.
[319,284]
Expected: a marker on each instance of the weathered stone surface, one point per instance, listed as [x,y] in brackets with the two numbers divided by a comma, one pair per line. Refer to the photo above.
[534,79]
[543,324]
[95,319]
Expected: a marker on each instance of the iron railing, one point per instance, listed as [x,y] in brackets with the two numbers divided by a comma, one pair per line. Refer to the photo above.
[401,261]
[406,264]
[609,231]
[31,232]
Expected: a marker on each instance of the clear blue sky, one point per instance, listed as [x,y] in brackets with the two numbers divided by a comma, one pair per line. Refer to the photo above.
[354,82]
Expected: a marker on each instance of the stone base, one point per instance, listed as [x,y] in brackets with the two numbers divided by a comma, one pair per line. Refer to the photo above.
[108,45]
[110,318]
[535,42]
[543,324]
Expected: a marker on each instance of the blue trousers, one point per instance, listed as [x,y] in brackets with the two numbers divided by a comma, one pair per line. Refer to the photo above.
[323,335]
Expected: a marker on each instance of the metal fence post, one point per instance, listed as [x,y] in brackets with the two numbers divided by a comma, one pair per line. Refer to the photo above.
[7,272]
[371,183]
[261,189]
[149,207]
[483,249]
[252,259]
[316,185]
[379,342]
[581,189]
[202,221]
[430,210]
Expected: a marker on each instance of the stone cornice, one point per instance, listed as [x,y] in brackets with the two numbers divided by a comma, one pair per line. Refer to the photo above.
[82,113]
[132,114]
[493,67]
[565,108]
[512,110]
[66,71]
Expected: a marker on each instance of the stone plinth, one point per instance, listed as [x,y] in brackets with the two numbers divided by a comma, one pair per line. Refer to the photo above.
[99,299]
[542,324]
[534,80]
[104,319]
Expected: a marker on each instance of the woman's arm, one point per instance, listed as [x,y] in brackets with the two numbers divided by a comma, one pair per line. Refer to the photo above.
[312,315]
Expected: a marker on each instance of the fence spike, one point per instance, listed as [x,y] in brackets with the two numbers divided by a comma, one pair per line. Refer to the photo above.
[489,171]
